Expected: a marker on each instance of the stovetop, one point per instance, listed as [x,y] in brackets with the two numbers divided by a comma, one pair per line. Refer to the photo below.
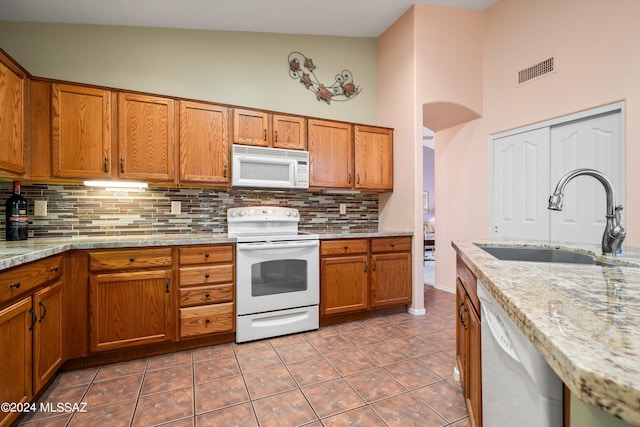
[265,224]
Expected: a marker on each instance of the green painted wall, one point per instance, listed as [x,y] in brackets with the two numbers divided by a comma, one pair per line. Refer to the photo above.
[239,68]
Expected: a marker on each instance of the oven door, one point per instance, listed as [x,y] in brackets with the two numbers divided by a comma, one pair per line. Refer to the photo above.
[277,275]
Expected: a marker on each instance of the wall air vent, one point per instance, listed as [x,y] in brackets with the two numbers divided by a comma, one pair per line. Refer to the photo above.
[536,71]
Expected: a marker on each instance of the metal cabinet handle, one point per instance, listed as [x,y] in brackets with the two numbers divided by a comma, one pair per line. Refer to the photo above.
[121,164]
[34,319]
[349,178]
[365,266]
[358,178]
[44,311]
[374,265]
[15,285]
[461,315]
[106,164]
[166,284]
[276,135]
[265,134]
[224,171]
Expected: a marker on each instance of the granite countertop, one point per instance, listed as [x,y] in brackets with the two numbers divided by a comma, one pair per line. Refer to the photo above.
[583,319]
[21,252]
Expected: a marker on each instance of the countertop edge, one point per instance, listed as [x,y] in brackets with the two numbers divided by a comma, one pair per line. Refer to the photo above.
[13,254]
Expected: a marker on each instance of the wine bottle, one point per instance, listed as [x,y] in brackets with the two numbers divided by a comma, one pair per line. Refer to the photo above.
[17,219]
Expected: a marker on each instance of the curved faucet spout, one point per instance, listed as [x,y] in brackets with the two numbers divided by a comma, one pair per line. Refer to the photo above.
[614,233]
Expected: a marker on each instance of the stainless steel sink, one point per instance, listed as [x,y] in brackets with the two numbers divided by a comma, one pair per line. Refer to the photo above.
[530,254]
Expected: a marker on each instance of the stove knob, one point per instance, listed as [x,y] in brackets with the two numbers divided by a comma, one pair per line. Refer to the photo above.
[241,213]
[295,213]
[288,213]
[233,214]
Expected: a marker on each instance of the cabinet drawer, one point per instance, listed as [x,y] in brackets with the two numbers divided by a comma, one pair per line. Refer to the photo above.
[206,254]
[391,244]
[206,319]
[190,276]
[129,259]
[21,279]
[206,295]
[344,247]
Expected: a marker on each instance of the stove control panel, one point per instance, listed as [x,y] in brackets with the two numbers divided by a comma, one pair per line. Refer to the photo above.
[263,213]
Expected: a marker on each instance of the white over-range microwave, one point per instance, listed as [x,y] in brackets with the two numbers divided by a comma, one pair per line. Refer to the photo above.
[261,167]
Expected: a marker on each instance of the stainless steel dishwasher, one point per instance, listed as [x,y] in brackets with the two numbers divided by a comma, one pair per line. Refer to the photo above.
[519,388]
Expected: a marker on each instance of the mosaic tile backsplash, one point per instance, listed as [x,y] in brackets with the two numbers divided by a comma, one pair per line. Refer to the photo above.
[76,210]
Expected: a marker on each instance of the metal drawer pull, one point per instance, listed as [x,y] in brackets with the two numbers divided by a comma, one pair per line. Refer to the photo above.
[393,245]
[207,295]
[206,276]
[207,321]
[346,247]
[15,285]
[53,269]
[206,255]
[132,259]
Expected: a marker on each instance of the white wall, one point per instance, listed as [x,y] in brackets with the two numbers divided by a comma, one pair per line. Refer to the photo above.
[239,68]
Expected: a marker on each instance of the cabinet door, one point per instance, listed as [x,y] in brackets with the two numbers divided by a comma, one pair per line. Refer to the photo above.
[250,127]
[13,83]
[461,333]
[343,286]
[81,132]
[128,309]
[15,365]
[47,335]
[373,158]
[289,132]
[330,154]
[390,279]
[474,371]
[146,137]
[204,143]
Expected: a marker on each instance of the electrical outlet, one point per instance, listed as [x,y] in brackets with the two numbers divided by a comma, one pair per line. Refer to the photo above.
[343,208]
[40,208]
[176,207]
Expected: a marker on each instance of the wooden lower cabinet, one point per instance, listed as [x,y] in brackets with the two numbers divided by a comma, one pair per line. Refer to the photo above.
[362,274]
[15,365]
[129,309]
[206,290]
[344,286]
[48,338]
[468,342]
[31,349]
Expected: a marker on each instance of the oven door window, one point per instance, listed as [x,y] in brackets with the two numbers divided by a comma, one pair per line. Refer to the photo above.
[278,277]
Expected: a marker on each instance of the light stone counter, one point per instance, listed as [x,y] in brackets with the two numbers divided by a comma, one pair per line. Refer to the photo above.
[583,319]
[21,252]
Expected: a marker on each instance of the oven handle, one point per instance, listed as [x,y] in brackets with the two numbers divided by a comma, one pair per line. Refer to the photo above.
[277,245]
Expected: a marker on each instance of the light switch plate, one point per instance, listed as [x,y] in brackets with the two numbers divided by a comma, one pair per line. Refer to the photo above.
[40,208]
[176,207]
[343,208]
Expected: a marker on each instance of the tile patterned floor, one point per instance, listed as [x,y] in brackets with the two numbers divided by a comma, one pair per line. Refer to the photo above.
[386,371]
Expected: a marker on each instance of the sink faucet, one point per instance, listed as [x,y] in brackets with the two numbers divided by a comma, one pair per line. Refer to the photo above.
[614,233]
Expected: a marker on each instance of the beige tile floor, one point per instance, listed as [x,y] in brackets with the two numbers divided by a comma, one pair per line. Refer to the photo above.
[386,371]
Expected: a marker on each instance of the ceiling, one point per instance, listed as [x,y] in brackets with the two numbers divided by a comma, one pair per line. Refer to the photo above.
[351,18]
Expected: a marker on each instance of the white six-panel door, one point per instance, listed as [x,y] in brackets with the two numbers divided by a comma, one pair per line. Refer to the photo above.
[520,181]
[590,143]
[527,166]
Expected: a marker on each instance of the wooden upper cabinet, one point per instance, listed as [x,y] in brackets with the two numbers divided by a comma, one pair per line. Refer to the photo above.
[373,158]
[262,129]
[250,127]
[80,132]
[289,132]
[13,113]
[204,143]
[330,154]
[146,137]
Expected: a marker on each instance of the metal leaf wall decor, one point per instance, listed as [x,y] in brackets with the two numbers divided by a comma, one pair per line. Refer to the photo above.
[301,68]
